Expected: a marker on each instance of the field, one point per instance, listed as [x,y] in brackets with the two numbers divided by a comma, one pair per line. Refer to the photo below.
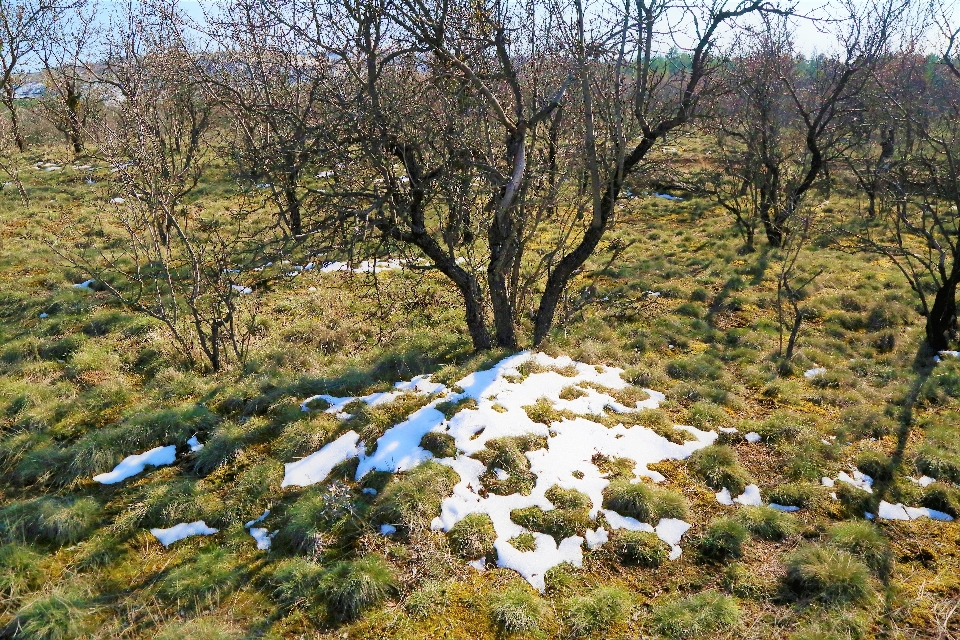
[671,300]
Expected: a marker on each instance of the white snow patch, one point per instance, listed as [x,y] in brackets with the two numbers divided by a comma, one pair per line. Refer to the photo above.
[370,491]
[597,538]
[728,430]
[898,511]
[724,497]
[859,480]
[752,437]
[317,466]
[44,315]
[782,507]
[666,196]
[480,564]
[813,373]
[242,290]
[750,496]
[183,530]
[387,529]
[263,538]
[194,443]
[132,465]
[923,481]
[85,285]
[117,201]
[566,461]
[262,517]
[827,482]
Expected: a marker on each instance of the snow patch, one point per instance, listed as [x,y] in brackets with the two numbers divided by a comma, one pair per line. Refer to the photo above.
[782,507]
[194,444]
[132,465]
[317,466]
[183,530]
[750,496]
[85,285]
[813,373]
[752,437]
[858,479]
[923,481]
[898,511]
[724,497]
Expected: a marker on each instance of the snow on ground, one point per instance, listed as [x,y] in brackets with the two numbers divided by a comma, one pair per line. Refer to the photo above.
[813,373]
[132,465]
[317,466]
[194,444]
[897,511]
[752,437]
[418,384]
[500,396]
[666,196]
[183,530]
[367,266]
[85,285]
[750,496]
[858,479]
[923,481]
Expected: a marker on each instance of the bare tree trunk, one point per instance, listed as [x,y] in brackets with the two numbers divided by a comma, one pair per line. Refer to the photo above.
[9,103]
[942,319]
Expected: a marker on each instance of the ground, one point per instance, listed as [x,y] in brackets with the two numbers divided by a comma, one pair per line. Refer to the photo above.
[682,311]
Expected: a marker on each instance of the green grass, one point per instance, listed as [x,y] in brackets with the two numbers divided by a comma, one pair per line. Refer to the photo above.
[767,523]
[644,502]
[598,610]
[723,539]
[827,574]
[473,537]
[56,615]
[718,466]
[695,615]
[517,609]
[414,500]
[638,548]
[350,588]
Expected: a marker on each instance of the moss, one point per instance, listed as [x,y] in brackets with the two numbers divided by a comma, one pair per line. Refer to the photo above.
[523,542]
[473,537]
[558,523]
[568,498]
[794,494]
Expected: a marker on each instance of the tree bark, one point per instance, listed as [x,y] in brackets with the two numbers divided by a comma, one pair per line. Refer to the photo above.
[942,319]
[9,102]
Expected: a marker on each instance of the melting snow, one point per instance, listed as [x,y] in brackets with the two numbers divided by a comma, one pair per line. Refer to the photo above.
[241,289]
[194,443]
[317,466]
[752,437]
[813,373]
[387,529]
[597,538]
[923,481]
[183,530]
[263,538]
[132,465]
[724,497]
[666,196]
[781,507]
[859,480]
[566,461]
[750,496]
[117,201]
[897,511]
[85,285]
[827,482]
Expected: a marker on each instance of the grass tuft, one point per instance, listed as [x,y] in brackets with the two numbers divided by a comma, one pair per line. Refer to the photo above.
[639,548]
[644,502]
[827,574]
[718,466]
[602,608]
[473,537]
[353,587]
[767,523]
[696,615]
[517,609]
[723,539]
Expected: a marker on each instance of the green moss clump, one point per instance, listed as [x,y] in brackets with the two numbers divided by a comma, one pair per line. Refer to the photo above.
[638,548]
[827,574]
[602,608]
[441,445]
[414,500]
[723,539]
[644,502]
[696,615]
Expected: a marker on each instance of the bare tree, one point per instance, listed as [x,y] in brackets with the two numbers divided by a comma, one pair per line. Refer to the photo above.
[21,23]
[920,193]
[494,139]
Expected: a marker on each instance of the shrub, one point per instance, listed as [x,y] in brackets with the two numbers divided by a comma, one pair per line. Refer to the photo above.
[718,466]
[53,616]
[600,609]
[517,609]
[644,502]
[473,537]
[355,586]
[295,582]
[414,500]
[767,523]
[638,548]
[695,615]
[827,574]
[723,539]
[865,540]
[441,445]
